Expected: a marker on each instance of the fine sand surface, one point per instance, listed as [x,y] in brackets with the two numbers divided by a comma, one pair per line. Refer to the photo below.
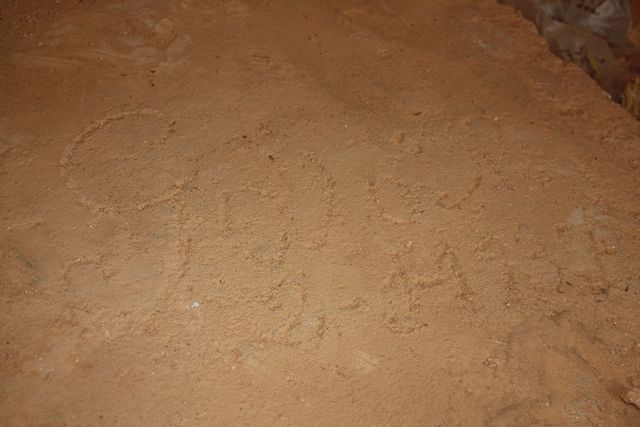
[310,213]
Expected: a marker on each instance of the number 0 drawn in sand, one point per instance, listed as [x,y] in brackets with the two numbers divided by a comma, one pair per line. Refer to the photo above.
[125,161]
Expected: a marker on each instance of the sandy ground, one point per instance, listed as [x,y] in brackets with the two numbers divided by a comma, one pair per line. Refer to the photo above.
[310,213]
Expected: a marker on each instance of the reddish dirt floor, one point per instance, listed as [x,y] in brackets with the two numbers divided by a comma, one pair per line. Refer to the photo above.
[310,213]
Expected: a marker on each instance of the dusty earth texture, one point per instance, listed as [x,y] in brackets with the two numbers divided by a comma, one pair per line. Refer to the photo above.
[311,213]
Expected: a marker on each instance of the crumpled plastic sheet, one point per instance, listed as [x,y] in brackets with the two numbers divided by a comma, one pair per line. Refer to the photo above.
[593,34]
